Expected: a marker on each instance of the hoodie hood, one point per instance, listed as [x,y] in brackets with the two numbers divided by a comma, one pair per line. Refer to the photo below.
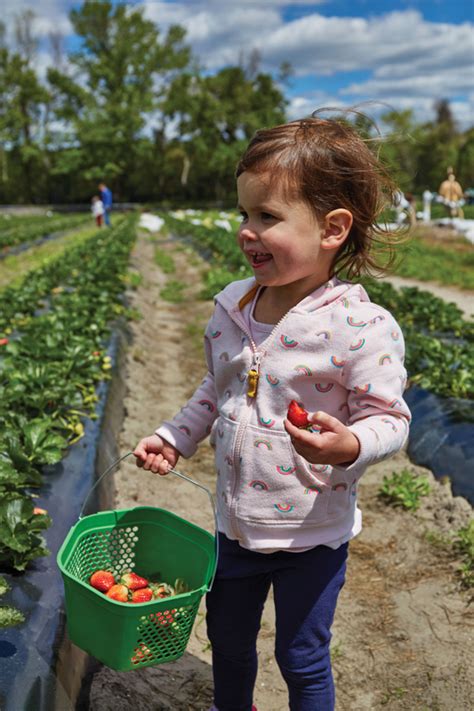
[238,293]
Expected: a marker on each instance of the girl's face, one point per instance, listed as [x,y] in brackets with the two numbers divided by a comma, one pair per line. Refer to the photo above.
[282,241]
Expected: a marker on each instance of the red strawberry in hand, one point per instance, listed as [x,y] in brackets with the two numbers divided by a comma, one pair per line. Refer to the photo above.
[102,580]
[297,415]
[142,595]
[118,592]
[133,581]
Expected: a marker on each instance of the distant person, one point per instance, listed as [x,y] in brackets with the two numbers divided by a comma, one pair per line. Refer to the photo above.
[452,195]
[98,210]
[427,198]
[106,196]
[287,489]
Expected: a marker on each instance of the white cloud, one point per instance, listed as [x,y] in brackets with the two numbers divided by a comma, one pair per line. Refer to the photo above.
[50,16]
[301,106]
[445,83]
[396,42]
[411,61]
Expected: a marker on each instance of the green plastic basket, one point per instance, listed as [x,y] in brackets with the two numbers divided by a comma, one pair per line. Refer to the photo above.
[156,544]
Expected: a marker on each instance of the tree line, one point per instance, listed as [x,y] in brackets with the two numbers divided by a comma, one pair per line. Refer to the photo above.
[132,106]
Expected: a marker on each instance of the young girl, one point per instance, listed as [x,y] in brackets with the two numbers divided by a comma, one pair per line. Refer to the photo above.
[309,194]
[97,210]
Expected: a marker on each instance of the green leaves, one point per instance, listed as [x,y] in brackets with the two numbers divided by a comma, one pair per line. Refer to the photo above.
[19,529]
[59,319]
[404,489]
[41,444]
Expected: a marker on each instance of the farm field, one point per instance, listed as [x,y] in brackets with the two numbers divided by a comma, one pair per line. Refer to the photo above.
[394,604]
[55,317]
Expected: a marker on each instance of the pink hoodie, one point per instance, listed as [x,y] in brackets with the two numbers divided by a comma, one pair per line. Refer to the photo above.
[334,351]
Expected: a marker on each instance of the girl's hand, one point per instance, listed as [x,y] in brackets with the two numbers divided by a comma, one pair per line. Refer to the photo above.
[334,444]
[155,455]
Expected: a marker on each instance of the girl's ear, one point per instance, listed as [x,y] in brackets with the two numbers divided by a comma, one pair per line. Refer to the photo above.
[337,225]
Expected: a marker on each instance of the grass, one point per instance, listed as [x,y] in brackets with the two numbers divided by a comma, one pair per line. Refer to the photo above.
[404,489]
[173,291]
[14,267]
[165,262]
[464,544]
[425,258]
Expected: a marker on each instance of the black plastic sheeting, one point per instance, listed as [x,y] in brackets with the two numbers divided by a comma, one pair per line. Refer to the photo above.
[39,668]
[442,438]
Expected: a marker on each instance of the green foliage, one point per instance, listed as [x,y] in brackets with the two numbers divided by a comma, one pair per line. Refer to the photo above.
[464,544]
[30,229]
[9,616]
[173,291]
[59,318]
[428,262]
[404,489]
[120,61]
[165,262]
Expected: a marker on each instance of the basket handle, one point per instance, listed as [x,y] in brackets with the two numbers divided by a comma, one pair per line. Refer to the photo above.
[182,476]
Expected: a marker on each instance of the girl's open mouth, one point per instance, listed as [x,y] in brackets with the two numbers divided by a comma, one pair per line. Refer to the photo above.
[259,258]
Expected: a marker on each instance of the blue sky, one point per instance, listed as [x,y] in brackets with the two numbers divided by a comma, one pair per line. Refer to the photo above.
[404,53]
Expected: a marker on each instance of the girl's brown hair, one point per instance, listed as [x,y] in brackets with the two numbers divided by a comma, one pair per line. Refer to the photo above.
[326,163]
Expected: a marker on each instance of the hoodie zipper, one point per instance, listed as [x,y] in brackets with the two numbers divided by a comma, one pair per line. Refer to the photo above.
[253,376]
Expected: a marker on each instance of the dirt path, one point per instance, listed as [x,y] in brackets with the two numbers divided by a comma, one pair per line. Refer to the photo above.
[401,636]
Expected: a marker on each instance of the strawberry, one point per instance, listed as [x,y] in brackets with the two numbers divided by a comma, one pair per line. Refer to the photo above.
[133,581]
[38,512]
[3,341]
[161,590]
[297,415]
[102,580]
[142,595]
[164,619]
[142,652]
[118,592]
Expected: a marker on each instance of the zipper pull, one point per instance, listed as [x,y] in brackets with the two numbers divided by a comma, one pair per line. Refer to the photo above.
[252,382]
[253,376]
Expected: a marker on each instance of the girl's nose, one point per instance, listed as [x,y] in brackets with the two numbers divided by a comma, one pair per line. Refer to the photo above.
[247,232]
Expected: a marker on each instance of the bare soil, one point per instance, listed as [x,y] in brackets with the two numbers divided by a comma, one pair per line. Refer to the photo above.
[402,637]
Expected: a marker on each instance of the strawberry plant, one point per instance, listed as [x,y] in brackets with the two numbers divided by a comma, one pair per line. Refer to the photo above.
[29,229]
[404,489]
[57,324]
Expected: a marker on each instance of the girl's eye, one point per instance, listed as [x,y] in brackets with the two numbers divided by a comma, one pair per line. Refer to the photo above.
[243,216]
[266,216]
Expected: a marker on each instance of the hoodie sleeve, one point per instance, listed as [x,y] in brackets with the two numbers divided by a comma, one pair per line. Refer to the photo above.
[194,421]
[375,378]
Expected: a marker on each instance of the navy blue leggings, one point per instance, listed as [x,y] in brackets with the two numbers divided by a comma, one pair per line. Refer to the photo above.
[305,588]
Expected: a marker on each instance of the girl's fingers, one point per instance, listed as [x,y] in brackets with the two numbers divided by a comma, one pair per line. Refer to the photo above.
[327,421]
[299,435]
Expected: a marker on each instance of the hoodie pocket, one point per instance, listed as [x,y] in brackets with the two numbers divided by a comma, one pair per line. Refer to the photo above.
[272,488]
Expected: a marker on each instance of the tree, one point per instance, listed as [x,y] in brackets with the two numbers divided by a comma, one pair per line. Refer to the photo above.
[22,110]
[399,149]
[119,76]
[214,117]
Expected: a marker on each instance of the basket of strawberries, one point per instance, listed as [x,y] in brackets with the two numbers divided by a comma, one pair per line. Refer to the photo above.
[133,581]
